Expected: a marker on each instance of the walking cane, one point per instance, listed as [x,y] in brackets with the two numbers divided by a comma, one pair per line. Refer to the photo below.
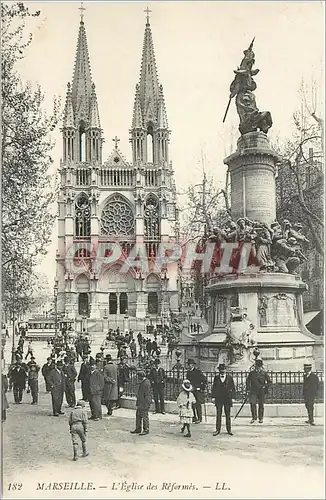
[244,402]
[205,409]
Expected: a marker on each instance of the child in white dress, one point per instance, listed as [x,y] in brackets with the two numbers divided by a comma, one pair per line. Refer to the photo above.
[185,401]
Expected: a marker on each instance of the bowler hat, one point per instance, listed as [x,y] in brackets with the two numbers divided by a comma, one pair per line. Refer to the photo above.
[259,362]
[157,361]
[141,374]
[108,357]
[186,385]
[191,362]
[221,367]
[307,365]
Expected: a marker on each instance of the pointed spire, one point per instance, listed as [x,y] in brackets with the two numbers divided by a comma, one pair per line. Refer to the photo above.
[148,84]
[94,118]
[162,119]
[137,118]
[68,117]
[82,79]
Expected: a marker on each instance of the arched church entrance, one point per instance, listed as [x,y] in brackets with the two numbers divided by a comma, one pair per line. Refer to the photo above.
[119,290]
[153,294]
[82,287]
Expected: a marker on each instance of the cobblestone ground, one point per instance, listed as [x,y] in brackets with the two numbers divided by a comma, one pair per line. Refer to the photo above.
[283,458]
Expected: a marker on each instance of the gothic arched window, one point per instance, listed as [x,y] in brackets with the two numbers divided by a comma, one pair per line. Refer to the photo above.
[82,216]
[117,217]
[151,218]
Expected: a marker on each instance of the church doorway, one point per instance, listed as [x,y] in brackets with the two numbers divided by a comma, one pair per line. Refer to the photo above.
[83,304]
[152,303]
[113,303]
[123,303]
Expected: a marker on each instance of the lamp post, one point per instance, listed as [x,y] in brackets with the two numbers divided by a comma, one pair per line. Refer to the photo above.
[55,293]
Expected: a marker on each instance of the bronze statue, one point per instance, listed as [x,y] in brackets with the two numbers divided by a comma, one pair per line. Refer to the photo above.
[242,87]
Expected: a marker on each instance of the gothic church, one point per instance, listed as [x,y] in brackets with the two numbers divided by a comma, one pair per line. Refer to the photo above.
[100,201]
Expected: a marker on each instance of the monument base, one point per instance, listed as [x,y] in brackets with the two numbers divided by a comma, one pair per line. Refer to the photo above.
[273,305]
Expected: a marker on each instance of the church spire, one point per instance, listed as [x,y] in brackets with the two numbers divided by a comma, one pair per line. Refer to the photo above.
[82,78]
[149,113]
[81,125]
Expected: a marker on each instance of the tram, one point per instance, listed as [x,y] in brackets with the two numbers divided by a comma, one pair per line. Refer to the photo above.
[43,328]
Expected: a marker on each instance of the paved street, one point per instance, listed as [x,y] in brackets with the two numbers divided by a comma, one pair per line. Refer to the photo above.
[283,457]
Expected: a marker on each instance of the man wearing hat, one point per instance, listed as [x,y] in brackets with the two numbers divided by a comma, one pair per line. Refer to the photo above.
[198,382]
[143,403]
[257,385]
[157,378]
[18,376]
[223,392]
[56,380]
[96,386]
[33,371]
[83,377]
[46,368]
[110,392]
[70,374]
[310,388]
[78,428]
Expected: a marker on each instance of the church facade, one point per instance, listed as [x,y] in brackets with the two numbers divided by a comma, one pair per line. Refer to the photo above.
[111,212]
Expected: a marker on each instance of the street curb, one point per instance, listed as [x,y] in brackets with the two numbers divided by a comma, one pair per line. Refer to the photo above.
[294,410]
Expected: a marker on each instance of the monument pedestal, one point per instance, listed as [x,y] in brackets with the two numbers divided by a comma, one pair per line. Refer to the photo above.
[272,301]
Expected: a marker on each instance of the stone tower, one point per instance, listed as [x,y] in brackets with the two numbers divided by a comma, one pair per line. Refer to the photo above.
[113,211]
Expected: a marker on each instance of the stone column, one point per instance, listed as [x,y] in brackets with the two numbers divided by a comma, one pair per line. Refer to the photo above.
[252,173]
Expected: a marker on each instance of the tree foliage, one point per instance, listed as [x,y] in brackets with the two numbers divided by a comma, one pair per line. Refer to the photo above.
[300,172]
[28,189]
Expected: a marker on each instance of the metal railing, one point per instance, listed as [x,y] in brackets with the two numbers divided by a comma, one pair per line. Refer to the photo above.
[286,388]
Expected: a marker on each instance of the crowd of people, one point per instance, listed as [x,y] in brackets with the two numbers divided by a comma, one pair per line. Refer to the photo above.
[103,381]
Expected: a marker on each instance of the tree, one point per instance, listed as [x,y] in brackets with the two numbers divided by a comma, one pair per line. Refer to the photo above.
[28,190]
[300,172]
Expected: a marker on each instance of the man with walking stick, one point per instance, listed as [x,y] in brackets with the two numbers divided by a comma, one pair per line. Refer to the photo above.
[258,383]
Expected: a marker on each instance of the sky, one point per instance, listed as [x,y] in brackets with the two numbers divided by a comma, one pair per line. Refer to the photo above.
[197,47]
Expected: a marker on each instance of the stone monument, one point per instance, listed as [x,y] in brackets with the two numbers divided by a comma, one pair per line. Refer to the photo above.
[257,302]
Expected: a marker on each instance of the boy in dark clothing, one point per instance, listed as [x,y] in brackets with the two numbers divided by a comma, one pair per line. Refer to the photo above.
[78,428]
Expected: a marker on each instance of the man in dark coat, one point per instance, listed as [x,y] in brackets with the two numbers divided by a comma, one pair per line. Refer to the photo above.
[46,368]
[198,382]
[223,392]
[257,385]
[18,375]
[96,386]
[70,374]
[110,392]
[33,371]
[157,378]
[56,380]
[83,377]
[310,388]
[123,378]
[143,403]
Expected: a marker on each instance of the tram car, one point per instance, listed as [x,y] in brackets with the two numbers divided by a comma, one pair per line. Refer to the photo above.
[43,328]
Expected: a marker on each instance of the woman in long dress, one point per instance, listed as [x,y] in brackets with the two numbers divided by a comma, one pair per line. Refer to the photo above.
[185,401]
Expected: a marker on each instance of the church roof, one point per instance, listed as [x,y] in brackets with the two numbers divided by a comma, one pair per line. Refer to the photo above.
[116,160]
[149,101]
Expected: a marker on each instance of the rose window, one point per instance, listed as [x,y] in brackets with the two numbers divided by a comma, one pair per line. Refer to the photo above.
[117,217]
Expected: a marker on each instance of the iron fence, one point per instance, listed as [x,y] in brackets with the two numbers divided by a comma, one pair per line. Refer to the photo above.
[286,387]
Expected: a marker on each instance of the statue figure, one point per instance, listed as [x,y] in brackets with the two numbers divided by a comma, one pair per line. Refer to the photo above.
[296,232]
[242,87]
[263,246]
